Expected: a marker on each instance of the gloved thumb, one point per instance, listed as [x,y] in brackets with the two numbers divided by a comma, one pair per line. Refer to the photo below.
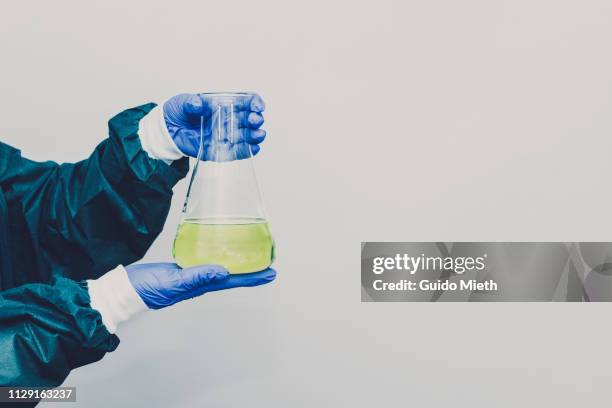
[193,105]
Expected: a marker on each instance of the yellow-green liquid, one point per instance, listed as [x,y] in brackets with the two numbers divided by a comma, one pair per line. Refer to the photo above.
[240,245]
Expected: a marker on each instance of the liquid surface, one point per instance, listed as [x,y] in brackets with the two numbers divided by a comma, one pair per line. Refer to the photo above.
[241,245]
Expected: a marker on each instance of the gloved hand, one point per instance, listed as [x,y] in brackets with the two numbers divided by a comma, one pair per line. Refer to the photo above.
[164,284]
[124,292]
[182,114]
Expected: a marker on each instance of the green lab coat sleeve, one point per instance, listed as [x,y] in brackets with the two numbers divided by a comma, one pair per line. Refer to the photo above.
[83,219]
[46,330]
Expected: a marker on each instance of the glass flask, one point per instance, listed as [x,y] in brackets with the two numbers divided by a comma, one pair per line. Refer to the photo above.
[223,220]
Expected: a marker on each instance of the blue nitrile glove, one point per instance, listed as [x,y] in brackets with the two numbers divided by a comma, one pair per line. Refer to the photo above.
[182,114]
[164,284]
[120,294]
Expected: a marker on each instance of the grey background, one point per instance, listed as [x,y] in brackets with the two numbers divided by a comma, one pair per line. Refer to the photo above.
[395,121]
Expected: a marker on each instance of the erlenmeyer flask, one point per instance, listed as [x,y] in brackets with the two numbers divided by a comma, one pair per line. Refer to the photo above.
[223,219]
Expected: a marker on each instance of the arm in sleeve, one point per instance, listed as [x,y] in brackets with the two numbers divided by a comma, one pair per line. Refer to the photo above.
[46,330]
[88,217]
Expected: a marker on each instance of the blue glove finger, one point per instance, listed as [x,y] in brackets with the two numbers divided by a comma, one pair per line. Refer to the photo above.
[174,109]
[249,119]
[254,120]
[255,149]
[257,104]
[254,104]
[251,136]
[189,140]
[195,281]
[255,136]
[243,280]
[198,105]
[194,105]
[184,110]
[200,275]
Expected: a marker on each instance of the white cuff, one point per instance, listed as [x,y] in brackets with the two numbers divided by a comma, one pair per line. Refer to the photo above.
[155,139]
[115,298]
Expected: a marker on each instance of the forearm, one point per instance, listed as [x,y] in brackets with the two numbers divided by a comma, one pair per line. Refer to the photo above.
[48,330]
[123,201]
[82,219]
